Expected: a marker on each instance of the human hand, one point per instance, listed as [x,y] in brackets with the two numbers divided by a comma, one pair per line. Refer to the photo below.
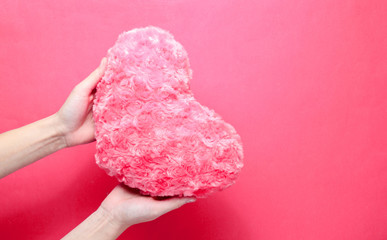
[126,207]
[75,118]
[122,208]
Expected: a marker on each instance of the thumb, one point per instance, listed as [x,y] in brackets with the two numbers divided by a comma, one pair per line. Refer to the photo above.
[91,81]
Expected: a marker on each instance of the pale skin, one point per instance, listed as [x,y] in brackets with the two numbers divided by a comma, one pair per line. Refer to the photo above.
[73,125]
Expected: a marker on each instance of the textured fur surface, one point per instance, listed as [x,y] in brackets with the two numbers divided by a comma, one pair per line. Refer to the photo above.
[151,132]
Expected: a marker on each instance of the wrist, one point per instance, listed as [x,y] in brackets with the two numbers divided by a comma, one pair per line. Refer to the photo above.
[109,223]
[51,124]
[100,225]
[59,129]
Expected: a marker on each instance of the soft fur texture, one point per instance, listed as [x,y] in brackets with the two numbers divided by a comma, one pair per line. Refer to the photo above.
[151,132]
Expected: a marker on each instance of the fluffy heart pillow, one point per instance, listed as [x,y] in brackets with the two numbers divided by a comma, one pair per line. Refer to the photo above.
[151,132]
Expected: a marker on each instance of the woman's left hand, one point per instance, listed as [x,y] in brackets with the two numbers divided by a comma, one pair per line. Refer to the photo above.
[75,118]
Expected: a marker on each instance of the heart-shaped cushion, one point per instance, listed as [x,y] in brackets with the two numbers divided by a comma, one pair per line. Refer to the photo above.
[151,132]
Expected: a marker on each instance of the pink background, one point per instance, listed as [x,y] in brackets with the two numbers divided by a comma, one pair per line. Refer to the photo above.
[303,82]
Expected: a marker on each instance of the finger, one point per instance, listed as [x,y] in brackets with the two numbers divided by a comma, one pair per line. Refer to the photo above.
[91,81]
[173,203]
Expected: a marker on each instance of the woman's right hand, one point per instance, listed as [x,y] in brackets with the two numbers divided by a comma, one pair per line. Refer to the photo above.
[126,207]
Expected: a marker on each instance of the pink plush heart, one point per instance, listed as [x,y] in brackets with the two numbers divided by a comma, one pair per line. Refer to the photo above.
[151,132]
